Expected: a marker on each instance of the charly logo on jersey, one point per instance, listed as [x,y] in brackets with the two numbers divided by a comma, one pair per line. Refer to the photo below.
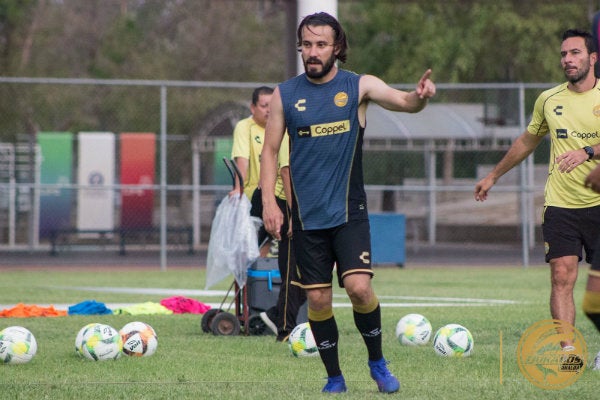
[562,133]
[257,139]
[300,105]
[558,110]
[341,99]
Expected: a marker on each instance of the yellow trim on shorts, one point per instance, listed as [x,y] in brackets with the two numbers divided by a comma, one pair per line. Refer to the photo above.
[313,286]
[330,284]
[358,271]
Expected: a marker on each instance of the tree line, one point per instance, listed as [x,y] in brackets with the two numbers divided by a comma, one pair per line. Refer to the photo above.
[247,41]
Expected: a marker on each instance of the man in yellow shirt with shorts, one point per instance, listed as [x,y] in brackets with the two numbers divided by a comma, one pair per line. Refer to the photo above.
[570,115]
[248,139]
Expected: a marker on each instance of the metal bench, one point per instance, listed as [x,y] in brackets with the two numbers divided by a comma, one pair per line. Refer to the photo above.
[121,237]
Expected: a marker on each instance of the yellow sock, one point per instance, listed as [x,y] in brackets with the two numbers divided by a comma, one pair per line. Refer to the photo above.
[367,308]
[591,302]
[322,315]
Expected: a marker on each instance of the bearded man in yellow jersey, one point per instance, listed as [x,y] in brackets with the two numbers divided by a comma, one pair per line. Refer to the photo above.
[570,114]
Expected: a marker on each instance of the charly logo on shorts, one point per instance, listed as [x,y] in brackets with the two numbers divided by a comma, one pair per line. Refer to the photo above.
[543,360]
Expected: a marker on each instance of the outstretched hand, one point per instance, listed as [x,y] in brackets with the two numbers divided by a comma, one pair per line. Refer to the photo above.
[482,188]
[425,87]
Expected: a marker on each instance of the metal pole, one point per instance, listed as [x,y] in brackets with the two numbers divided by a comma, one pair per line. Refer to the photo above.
[196,222]
[432,218]
[163,178]
[525,188]
[12,219]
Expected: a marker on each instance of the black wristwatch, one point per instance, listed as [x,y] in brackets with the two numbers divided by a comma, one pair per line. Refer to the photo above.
[589,150]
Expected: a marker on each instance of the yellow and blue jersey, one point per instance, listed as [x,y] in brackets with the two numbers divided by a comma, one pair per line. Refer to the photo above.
[325,150]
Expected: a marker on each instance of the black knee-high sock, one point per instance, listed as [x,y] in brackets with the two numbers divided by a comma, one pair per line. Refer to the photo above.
[326,336]
[595,318]
[591,307]
[369,326]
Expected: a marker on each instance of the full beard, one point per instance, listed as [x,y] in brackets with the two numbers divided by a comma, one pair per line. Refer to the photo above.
[326,68]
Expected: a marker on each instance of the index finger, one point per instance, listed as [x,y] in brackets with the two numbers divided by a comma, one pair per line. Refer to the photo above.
[426,75]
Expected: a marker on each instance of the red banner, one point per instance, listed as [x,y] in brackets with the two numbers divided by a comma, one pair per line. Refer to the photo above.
[138,151]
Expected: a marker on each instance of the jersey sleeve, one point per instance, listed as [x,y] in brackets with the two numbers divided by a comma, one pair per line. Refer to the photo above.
[283,157]
[538,125]
[241,140]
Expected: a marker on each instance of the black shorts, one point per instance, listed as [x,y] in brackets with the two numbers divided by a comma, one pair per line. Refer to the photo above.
[567,231]
[257,209]
[596,260]
[347,247]
[595,268]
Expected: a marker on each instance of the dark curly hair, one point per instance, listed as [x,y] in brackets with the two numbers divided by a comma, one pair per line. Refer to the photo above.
[323,19]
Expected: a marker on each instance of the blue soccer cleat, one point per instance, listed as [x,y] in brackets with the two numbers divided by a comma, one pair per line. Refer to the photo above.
[386,382]
[335,384]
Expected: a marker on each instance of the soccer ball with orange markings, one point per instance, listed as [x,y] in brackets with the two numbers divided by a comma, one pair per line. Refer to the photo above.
[139,339]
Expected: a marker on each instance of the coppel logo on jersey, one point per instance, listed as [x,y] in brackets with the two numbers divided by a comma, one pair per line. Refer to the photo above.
[561,133]
[332,128]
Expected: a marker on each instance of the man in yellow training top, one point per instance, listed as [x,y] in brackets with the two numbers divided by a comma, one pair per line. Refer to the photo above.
[248,139]
[570,114]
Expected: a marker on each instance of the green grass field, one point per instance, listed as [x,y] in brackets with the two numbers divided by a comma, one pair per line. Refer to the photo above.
[192,364]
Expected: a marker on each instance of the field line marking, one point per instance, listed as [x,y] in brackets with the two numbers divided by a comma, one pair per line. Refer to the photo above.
[217,293]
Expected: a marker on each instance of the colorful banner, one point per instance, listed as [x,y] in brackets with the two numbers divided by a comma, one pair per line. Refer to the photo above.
[222,149]
[96,170]
[56,168]
[138,152]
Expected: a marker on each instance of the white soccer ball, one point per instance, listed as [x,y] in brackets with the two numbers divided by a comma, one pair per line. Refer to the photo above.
[79,339]
[453,340]
[139,339]
[413,330]
[302,342]
[99,342]
[17,345]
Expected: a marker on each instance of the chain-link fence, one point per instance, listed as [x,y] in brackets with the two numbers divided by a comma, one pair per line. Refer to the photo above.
[125,166]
